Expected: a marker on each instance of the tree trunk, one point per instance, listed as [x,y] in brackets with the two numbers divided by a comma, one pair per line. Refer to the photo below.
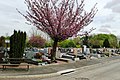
[53,51]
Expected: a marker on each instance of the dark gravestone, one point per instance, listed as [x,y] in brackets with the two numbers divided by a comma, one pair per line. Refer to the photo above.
[1,56]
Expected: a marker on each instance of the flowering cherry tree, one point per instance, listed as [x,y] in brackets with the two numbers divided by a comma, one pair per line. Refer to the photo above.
[37,41]
[60,19]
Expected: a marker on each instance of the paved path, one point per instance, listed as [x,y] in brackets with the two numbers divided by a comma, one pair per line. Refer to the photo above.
[107,71]
[39,72]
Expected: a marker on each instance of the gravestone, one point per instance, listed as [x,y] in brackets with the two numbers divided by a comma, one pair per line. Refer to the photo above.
[84,49]
[58,54]
[49,50]
[87,51]
[72,50]
[1,56]
[75,51]
[80,50]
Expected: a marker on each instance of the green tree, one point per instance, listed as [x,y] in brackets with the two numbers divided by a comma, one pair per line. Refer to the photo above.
[49,43]
[97,40]
[95,43]
[113,41]
[119,44]
[2,41]
[85,40]
[17,44]
[67,43]
[106,43]
[78,42]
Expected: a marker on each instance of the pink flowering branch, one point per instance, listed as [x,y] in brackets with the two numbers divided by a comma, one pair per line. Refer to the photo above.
[60,19]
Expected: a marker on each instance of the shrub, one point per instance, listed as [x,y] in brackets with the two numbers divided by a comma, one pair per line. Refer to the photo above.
[67,43]
[37,41]
[17,44]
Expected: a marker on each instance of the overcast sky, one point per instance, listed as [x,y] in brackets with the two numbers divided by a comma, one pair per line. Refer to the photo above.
[107,19]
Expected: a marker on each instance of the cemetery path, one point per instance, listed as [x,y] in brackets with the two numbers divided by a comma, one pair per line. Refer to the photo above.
[106,71]
[38,72]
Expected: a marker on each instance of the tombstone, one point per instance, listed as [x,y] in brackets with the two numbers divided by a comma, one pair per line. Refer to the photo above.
[72,50]
[99,55]
[29,54]
[6,55]
[87,51]
[76,59]
[84,49]
[75,51]
[80,50]
[46,50]
[49,50]
[58,54]
[1,56]
[43,50]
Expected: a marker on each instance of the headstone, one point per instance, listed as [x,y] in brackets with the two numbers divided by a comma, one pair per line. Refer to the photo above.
[99,56]
[72,50]
[1,56]
[75,51]
[46,50]
[80,50]
[77,59]
[84,49]
[29,54]
[58,53]
[49,50]
[87,51]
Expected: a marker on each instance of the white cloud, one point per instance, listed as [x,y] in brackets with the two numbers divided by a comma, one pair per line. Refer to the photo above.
[106,29]
[106,26]
[114,5]
[10,19]
[107,20]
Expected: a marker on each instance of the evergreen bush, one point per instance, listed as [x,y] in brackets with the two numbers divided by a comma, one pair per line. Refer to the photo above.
[17,44]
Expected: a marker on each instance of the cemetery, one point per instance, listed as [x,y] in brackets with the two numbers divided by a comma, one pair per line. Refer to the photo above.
[36,56]
[65,44]
[58,38]
[15,53]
